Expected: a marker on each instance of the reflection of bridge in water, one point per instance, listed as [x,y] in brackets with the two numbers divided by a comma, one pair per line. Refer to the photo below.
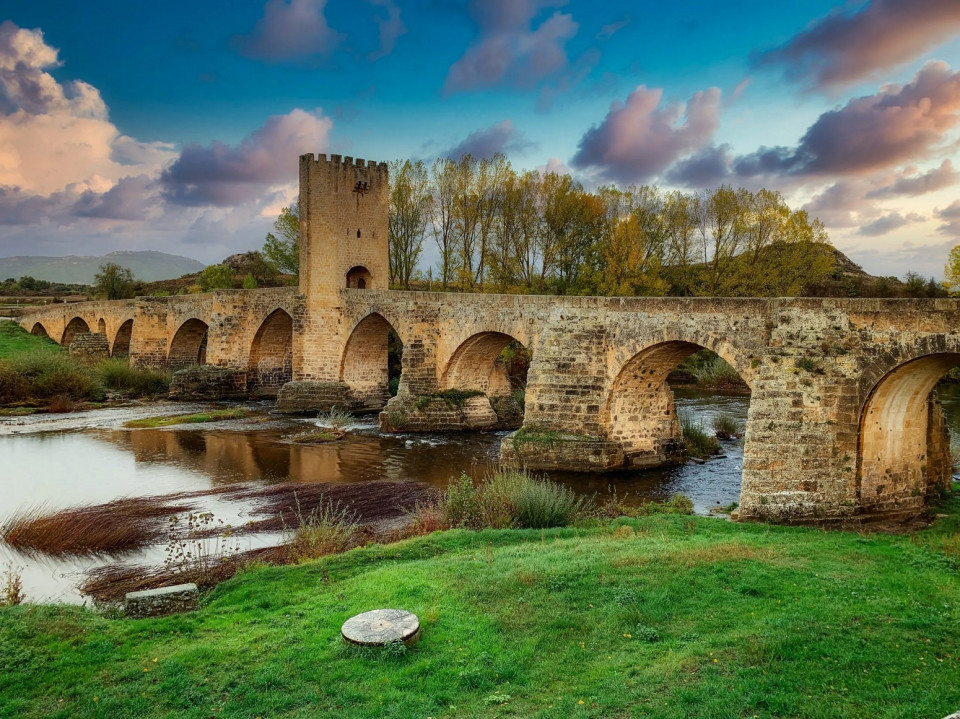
[843,420]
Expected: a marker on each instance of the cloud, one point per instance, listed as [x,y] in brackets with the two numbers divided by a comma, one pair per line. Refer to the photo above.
[708,166]
[54,135]
[290,30]
[847,47]
[502,137]
[390,28]
[611,29]
[223,175]
[951,217]
[640,138]
[889,223]
[509,50]
[909,183]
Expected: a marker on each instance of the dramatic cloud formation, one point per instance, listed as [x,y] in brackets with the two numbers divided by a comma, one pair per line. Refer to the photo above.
[57,137]
[502,137]
[290,30]
[910,184]
[223,175]
[509,50]
[847,47]
[639,139]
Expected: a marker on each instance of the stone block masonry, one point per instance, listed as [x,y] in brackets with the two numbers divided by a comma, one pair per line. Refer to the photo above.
[843,421]
[161,602]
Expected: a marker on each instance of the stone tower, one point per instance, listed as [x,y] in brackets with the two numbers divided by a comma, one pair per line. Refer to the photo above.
[343,226]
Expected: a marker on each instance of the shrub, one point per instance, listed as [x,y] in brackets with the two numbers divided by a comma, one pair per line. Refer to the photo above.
[646,633]
[336,418]
[726,426]
[11,592]
[40,375]
[695,438]
[326,530]
[117,374]
[510,498]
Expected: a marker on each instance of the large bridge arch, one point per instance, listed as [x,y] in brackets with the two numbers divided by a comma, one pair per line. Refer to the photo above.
[271,354]
[475,364]
[121,340]
[903,447]
[74,327]
[365,363]
[188,345]
[39,330]
[640,412]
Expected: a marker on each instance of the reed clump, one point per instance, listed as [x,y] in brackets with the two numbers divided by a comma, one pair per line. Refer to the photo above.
[697,441]
[726,426]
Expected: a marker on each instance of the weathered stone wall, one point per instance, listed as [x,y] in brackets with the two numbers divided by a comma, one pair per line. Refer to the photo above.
[89,346]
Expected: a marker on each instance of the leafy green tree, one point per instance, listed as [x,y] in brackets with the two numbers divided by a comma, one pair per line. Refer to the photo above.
[114,282]
[216,277]
[951,272]
[410,208]
[282,250]
[249,282]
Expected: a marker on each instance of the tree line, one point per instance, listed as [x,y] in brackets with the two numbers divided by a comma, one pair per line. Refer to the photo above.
[497,229]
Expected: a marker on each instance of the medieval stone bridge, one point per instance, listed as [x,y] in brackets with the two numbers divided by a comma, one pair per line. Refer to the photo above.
[843,420]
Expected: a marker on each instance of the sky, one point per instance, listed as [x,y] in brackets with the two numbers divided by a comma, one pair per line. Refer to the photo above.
[177,126]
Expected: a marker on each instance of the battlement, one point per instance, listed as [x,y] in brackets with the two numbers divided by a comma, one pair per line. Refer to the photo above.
[339,160]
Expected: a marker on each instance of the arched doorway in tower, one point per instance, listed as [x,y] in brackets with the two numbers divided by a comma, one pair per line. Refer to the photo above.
[371,363]
[641,411]
[121,342]
[271,355]
[904,442]
[359,278]
[495,364]
[74,327]
[189,345]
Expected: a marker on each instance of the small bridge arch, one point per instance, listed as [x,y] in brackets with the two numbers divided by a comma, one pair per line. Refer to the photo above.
[271,354]
[74,327]
[39,330]
[188,346]
[121,341]
[365,364]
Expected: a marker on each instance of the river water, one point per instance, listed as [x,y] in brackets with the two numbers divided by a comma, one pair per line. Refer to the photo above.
[61,461]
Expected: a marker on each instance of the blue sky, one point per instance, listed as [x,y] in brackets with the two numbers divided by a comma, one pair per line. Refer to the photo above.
[177,126]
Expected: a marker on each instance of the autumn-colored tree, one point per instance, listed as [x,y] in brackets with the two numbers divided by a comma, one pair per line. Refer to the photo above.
[951,272]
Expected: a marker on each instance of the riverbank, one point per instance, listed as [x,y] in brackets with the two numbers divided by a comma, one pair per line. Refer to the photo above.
[666,616]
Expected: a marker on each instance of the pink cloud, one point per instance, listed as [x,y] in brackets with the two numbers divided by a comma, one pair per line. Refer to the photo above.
[290,30]
[509,50]
[502,137]
[847,47]
[224,175]
[640,138]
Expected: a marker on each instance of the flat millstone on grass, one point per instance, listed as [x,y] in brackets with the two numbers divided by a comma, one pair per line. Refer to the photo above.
[382,626]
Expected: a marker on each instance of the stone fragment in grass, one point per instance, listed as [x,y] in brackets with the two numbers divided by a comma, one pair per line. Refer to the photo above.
[160,602]
[382,626]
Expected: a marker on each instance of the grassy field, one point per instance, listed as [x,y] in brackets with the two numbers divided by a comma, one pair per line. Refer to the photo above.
[14,339]
[662,616]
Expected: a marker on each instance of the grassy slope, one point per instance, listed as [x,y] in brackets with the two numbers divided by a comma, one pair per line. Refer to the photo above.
[754,621]
[13,338]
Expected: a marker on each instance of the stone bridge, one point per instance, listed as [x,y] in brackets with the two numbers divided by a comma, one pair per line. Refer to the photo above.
[843,423]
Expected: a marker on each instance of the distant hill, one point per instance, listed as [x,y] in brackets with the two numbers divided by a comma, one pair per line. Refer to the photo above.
[148,266]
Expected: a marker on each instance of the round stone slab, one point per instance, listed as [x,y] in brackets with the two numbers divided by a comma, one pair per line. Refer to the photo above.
[381,626]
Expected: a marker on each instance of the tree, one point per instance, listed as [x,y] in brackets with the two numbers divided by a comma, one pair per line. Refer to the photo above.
[282,249]
[951,272]
[216,277]
[114,282]
[410,208]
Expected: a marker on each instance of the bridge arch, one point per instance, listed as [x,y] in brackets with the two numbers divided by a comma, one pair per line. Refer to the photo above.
[39,330]
[189,344]
[271,354]
[73,328]
[366,362]
[477,364]
[903,451]
[102,327]
[640,412]
[121,341]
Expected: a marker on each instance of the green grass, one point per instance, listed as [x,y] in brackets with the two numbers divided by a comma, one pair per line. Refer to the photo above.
[15,339]
[698,442]
[212,416]
[663,616]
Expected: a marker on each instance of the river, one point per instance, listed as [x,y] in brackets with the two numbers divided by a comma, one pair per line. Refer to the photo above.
[61,461]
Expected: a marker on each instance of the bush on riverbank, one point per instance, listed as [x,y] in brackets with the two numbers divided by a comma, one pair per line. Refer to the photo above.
[710,371]
[751,620]
[697,441]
